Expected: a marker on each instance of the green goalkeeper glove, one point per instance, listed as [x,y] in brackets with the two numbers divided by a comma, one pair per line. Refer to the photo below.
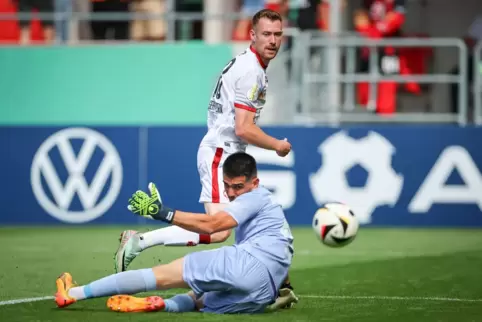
[150,206]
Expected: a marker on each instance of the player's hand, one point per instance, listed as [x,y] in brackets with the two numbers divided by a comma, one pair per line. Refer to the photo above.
[283,148]
[150,206]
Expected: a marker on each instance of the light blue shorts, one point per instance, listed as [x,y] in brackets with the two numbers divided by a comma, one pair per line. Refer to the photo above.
[230,280]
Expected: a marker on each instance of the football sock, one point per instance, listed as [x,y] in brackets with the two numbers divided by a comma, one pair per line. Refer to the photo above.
[180,303]
[172,236]
[130,282]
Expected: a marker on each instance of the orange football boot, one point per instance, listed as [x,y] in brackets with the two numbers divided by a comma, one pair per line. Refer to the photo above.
[127,303]
[64,284]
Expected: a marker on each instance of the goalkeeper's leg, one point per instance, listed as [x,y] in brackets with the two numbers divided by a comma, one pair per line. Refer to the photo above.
[286,297]
[122,285]
[210,167]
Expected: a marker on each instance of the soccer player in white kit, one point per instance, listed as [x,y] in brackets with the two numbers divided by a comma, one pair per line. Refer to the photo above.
[234,108]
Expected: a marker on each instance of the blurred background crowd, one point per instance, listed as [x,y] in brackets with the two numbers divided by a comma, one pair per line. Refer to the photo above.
[152,25]
[69,22]
[76,20]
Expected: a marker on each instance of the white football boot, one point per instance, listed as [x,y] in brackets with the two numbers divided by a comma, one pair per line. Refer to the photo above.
[128,250]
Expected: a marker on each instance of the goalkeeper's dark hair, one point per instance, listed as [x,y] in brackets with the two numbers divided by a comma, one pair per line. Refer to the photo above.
[240,164]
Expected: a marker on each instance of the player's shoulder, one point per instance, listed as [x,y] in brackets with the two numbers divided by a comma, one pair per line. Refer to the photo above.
[260,195]
[247,63]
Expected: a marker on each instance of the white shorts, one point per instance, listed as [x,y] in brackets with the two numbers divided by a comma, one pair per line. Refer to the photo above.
[210,162]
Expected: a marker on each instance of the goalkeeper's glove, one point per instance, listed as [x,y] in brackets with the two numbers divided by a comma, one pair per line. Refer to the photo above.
[150,206]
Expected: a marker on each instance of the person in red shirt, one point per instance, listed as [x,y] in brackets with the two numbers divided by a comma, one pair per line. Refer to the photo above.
[382,19]
[43,6]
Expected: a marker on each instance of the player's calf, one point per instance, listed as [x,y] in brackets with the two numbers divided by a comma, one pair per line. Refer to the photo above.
[132,243]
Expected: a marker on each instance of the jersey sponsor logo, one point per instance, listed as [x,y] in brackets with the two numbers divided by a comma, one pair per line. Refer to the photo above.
[215,107]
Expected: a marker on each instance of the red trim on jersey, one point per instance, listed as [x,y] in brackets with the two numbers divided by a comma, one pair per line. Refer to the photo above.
[258,57]
[214,178]
[245,107]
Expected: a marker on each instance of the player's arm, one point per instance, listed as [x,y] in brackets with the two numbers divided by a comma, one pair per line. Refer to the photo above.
[203,223]
[247,93]
[247,130]
[152,207]
[237,212]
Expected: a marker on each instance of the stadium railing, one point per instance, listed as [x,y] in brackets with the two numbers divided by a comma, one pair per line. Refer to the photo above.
[477,90]
[333,78]
[170,16]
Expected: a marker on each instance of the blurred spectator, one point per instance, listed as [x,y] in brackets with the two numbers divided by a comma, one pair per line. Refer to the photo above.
[42,6]
[152,29]
[377,19]
[280,6]
[62,24]
[189,30]
[110,29]
[80,28]
[311,16]
[248,8]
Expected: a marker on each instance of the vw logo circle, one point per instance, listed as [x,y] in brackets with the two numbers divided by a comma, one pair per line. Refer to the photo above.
[76,165]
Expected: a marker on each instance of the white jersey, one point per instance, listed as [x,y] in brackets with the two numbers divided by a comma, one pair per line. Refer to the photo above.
[242,84]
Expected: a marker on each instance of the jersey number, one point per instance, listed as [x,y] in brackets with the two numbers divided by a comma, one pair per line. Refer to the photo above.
[219,84]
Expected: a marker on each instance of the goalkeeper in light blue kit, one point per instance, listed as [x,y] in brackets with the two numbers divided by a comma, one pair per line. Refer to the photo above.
[241,278]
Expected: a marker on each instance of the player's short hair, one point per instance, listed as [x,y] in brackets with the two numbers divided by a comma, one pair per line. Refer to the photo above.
[265,13]
[240,164]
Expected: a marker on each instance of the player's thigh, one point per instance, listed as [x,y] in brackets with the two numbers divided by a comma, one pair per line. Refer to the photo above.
[170,275]
[229,303]
[210,162]
[229,269]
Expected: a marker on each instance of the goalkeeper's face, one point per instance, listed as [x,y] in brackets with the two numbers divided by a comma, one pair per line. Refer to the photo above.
[236,186]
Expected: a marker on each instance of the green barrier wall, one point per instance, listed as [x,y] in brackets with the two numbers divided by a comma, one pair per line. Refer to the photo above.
[109,85]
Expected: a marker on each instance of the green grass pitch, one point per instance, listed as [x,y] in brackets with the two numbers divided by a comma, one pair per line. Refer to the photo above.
[384,275]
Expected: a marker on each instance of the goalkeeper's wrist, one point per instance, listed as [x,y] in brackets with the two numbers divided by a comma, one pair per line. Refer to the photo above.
[165,214]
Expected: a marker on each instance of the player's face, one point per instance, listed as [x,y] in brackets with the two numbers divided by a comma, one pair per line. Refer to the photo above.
[266,37]
[236,186]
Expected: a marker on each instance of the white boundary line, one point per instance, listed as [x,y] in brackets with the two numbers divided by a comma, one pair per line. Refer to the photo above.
[390,298]
[326,297]
[26,300]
